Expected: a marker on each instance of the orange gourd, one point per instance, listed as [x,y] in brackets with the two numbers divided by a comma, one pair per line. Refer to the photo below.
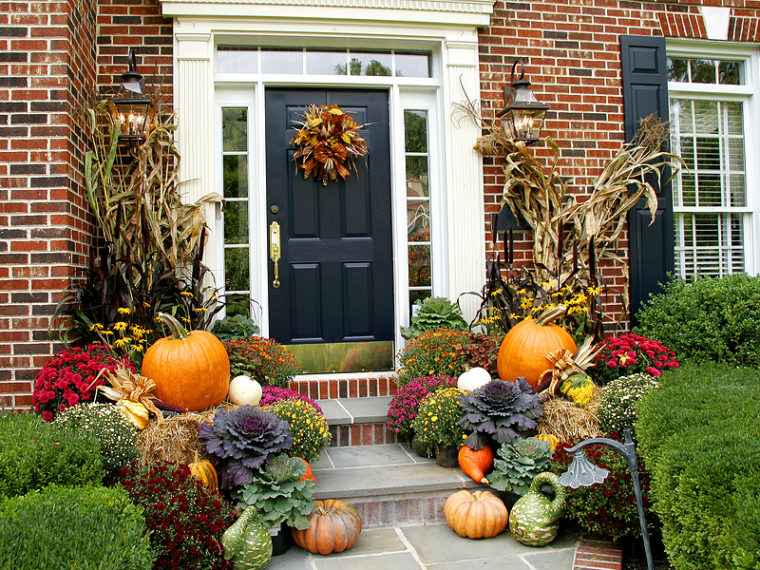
[476,464]
[308,474]
[204,472]
[191,370]
[335,526]
[476,515]
[523,351]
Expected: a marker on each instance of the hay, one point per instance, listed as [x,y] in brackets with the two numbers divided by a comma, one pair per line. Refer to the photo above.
[565,420]
[174,439]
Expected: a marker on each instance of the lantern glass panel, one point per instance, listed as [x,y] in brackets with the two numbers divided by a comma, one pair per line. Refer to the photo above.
[134,116]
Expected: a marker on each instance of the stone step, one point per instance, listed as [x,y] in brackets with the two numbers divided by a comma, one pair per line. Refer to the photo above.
[364,385]
[358,421]
[387,484]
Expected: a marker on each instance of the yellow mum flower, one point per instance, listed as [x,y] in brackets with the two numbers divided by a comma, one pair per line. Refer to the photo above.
[123,310]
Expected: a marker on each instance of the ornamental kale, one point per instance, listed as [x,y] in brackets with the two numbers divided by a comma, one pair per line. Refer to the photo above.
[244,439]
[500,411]
[518,462]
[279,494]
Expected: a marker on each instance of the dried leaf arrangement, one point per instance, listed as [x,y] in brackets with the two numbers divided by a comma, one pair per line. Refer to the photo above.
[573,230]
[328,143]
[148,242]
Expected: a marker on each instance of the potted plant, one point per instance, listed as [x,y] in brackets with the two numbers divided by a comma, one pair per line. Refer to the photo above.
[283,497]
[436,425]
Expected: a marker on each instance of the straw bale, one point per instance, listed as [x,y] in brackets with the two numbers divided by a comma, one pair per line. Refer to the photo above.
[566,420]
[174,439]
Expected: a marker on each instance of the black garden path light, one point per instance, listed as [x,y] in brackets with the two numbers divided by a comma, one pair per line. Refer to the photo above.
[523,114]
[131,108]
[583,473]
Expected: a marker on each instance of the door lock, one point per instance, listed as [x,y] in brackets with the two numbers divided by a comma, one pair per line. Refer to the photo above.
[275,251]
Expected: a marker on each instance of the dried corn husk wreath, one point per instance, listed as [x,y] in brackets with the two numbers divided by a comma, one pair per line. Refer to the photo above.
[328,143]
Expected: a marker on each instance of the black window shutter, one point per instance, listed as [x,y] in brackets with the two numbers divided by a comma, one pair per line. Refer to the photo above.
[645,91]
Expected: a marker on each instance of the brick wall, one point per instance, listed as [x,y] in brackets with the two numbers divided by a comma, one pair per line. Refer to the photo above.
[572,55]
[47,60]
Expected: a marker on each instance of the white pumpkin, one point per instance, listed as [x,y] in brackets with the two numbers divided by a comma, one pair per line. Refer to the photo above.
[244,390]
[473,379]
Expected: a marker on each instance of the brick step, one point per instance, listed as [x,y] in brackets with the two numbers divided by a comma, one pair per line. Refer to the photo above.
[387,484]
[325,386]
[358,421]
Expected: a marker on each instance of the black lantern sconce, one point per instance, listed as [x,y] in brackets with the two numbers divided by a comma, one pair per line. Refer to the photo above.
[583,473]
[131,108]
[523,114]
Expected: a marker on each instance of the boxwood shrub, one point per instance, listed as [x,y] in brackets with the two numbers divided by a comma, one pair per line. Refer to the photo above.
[698,436]
[73,527]
[709,319]
[35,453]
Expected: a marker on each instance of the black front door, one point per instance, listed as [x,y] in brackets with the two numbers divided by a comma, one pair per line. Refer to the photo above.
[336,267]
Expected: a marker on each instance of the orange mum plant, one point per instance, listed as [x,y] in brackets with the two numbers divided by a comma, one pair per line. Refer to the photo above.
[328,143]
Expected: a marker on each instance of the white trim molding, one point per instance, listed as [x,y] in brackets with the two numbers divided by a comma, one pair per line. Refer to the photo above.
[446,29]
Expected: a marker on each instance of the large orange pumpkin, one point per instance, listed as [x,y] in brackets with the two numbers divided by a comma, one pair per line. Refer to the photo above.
[476,515]
[523,351]
[335,526]
[191,370]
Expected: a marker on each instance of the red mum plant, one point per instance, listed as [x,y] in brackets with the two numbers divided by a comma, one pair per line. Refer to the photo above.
[628,354]
[185,519]
[71,378]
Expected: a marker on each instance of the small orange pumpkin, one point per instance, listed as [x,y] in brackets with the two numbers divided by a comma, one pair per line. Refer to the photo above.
[191,370]
[476,515]
[476,464]
[523,351]
[308,474]
[335,526]
[204,472]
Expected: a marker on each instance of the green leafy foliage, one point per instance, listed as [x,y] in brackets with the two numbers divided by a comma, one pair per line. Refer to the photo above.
[499,411]
[607,510]
[278,494]
[517,462]
[118,437]
[235,327]
[435,313]
[698,434]
[85,527]
[617,409]
[35,453]
[709,319]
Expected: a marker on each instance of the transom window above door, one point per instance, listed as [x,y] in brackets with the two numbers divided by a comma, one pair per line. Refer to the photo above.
[307,61]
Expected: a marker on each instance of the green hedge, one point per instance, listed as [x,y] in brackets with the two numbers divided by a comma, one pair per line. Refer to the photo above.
[35,453]
[73,527]
[698,435]
[709,319]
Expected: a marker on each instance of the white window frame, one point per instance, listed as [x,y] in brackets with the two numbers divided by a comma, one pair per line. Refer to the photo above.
[248,90]
[748,94]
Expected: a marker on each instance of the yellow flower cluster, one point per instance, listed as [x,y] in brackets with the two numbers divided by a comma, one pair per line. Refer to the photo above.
[437,417]
[127,338]
[307,426]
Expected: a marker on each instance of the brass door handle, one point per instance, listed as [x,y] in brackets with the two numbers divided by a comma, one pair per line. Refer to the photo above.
[275,251]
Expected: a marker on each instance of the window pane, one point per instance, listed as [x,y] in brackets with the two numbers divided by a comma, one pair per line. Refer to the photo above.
[412,65]
[737,190]
[729,72]
[678,69]
[709,190]
[709,244]
[371,64]
[237,305]
[417,295]
[733,118]
[236,269]
[326,63]
[235,176]
[416,176]
[415,131]
[234,129]
[708,153]
[419,265]
[282,61]
[702,71]
[418,218]
[706,117]
[237,60]
[236,222]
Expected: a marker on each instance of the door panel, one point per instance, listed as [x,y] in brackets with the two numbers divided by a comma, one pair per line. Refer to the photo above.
[336,271]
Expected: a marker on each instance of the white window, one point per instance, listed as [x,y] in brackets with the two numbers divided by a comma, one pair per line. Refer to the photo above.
[714,205]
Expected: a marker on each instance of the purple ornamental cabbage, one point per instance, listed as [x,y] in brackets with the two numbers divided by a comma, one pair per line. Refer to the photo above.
[243,440]
[500,411]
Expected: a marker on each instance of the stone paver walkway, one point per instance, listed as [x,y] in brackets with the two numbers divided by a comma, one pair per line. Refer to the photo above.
[434,547]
